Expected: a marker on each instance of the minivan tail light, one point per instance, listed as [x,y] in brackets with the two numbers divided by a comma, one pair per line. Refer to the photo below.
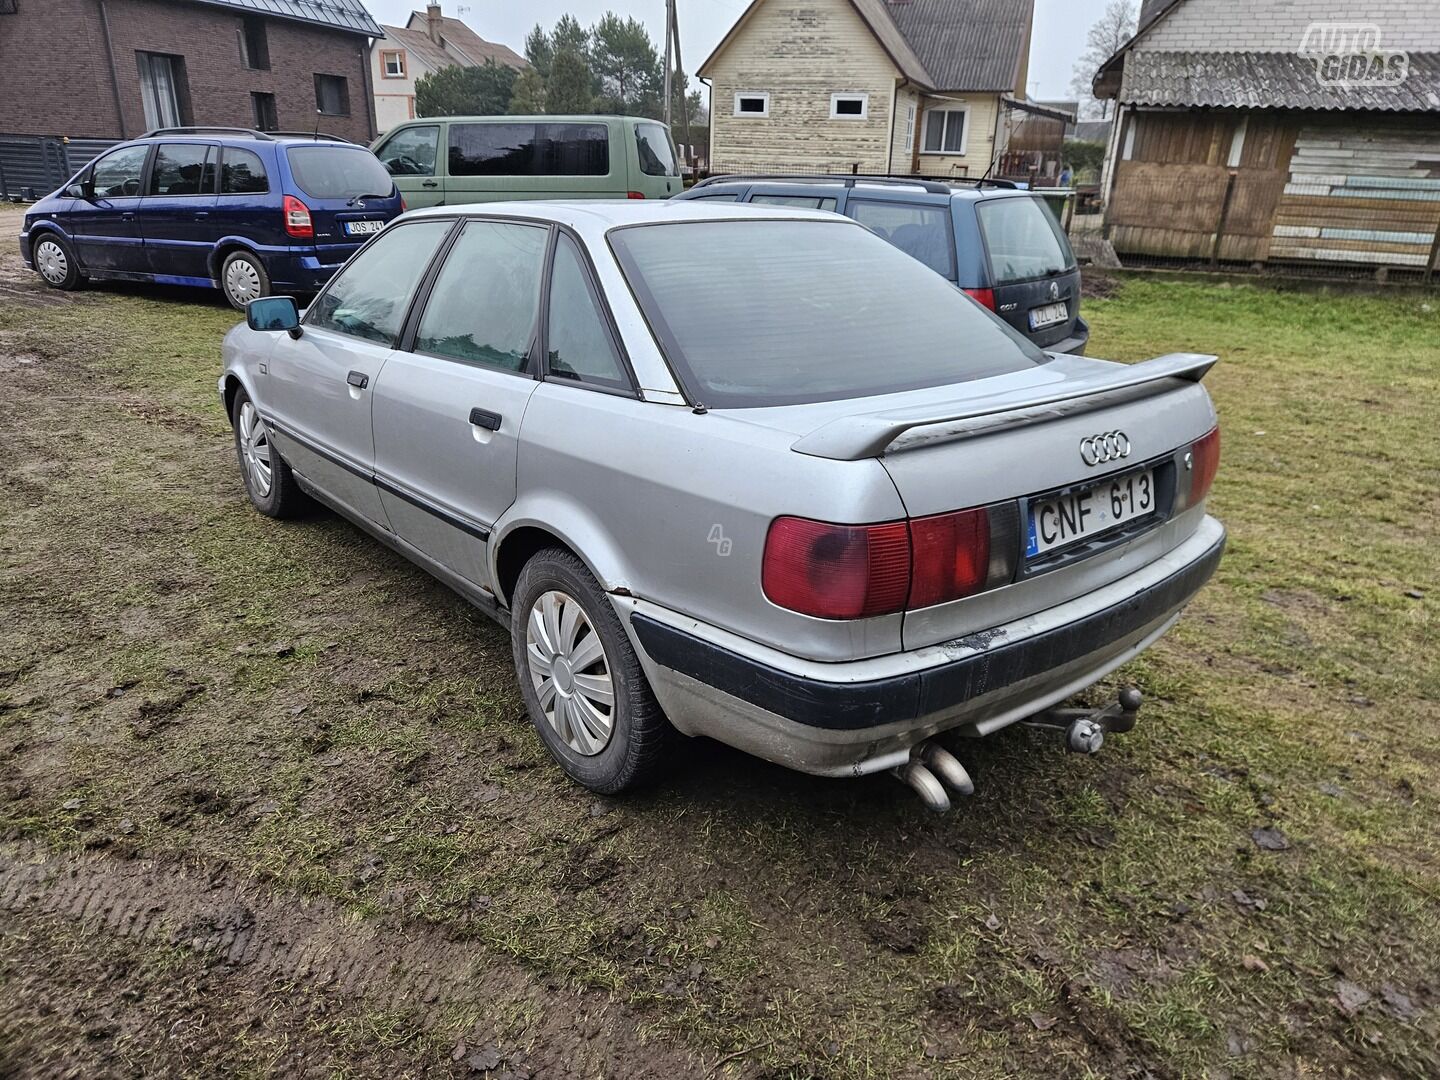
[1205,461]
[837,571]
[297,219]
[634,194]
[403,204]
[984,297]
[951,555]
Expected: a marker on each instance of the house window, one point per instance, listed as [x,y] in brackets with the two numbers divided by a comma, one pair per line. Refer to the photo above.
[332,95]
[849,106]
[254,44]
[752,104]
[162,89]
[392,63]
[946,131]
[263,106]
[909,127]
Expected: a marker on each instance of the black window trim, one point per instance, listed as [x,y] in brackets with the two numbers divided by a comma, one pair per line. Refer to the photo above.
[155,157]
[225,150]
[607,318]
[954,274]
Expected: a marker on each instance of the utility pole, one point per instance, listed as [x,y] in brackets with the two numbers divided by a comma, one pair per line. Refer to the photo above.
[680,70]
[669,43]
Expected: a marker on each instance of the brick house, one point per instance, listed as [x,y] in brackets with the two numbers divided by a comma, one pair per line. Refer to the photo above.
[124,66]
[1303,131]
[883,86]
[427,42]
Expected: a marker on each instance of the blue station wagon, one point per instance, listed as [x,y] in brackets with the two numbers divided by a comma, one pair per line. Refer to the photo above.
[247,212]
[999,243]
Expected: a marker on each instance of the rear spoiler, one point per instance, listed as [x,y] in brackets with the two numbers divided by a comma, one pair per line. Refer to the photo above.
[852,438]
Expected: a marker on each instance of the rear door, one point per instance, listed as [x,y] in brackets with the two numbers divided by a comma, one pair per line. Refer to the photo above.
[924,231]
[447,413]
[1033,272]
[411,155]
[106,226]
[177,212]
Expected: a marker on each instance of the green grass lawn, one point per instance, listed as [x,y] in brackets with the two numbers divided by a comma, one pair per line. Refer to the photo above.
[291,706]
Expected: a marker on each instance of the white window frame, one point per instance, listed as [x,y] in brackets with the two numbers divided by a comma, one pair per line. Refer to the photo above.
[385,57]
[763,95]
[964,132]
[909,126]
[836,98]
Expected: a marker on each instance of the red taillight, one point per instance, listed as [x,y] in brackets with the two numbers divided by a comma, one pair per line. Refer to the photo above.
[403,204]
[297,219]
[951,556]
[983,297]
[1205,459]
[634,194]
[837,571]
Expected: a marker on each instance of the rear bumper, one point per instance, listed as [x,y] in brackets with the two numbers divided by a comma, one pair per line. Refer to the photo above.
[306,273]
[859,717]
[1076,342]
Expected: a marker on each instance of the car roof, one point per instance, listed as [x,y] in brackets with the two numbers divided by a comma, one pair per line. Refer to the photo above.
[918,189]
[527,118]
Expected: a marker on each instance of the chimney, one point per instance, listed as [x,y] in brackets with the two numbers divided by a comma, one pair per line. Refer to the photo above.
[432,21]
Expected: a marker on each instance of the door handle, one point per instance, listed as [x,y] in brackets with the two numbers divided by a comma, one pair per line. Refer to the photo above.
[358,379]
[201,215]
[429,183]
[127,217]
[482,418]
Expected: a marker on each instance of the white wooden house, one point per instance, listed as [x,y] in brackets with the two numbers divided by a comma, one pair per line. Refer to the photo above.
[882,86]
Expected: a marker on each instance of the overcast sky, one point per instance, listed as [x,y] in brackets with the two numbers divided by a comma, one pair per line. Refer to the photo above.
[1059,38]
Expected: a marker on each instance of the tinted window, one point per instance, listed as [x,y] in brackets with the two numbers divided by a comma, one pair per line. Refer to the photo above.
[779,312]
[332,95]
[804,202]
[118,173]
[922,232]
[729,197]
[242,173]
[657,158]
[410,152]
[334,172]
[1022,238]
[371,293]
[529,150]
[579,342]
[483,306]
[183,169]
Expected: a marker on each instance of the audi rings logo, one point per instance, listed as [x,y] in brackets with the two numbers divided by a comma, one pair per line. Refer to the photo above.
[1107,446]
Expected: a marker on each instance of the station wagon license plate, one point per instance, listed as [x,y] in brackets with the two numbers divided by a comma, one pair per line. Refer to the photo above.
[363,228]
[1086,512]
[1048,315]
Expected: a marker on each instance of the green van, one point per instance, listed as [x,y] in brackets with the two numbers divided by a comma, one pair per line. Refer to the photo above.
[466,159]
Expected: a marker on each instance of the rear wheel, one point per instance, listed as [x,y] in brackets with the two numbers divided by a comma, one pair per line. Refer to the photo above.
[243,278]
[55,259]
[581,680]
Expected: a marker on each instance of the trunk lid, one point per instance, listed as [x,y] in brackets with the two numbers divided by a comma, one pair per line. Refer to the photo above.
[1033,272]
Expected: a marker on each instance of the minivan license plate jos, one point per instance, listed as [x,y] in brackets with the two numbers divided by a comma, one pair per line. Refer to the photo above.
[1065,519]
[363,228]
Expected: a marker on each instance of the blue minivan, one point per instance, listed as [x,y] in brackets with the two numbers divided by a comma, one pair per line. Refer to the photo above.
[248,212]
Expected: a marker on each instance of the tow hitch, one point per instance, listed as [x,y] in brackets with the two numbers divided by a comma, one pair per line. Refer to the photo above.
[1085,728]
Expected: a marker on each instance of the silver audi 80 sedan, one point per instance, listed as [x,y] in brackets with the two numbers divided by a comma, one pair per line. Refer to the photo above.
[743,472]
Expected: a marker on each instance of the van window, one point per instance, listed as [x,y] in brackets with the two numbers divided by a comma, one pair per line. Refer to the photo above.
[1022,238]
[656,156]
[411,151]
[242,173]
[183,169]
[333,172]
[922,232]
[529,150]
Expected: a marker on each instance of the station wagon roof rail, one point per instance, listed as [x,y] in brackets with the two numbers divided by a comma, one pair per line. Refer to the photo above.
[934,184]
[318,136]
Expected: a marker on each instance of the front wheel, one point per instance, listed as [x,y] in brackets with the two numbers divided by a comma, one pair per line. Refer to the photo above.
[243,278]
[582,682]
[271,486]
[55,259]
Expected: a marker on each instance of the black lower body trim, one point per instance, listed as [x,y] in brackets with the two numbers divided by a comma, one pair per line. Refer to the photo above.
[852,706]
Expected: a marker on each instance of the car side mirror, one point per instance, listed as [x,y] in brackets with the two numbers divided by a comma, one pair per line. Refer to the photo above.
[273,313]
[83,190]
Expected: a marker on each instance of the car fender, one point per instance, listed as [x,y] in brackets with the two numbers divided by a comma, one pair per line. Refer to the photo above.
[232,241]
[575,525]
[241,351]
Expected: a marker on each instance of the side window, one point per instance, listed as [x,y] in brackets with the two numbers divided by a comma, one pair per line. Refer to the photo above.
[183,169]
[491,149]
[369,297]
[923,232]
[653,143]
[579,344]
[728,196]
[483,305]
[411,152]
[572,150]
[804,202]
[242,173]
[118,173]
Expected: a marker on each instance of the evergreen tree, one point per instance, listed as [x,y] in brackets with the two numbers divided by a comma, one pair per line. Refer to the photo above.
[465,91]
[625,62]
[570,87]
[528,97]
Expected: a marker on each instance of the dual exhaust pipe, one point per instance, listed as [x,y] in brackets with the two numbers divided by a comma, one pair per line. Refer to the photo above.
[934,774]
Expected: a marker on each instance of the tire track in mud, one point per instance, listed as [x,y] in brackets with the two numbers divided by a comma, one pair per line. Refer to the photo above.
[381,962]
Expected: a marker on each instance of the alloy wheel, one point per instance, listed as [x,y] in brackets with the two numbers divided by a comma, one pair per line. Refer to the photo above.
[255,449]
[570,673]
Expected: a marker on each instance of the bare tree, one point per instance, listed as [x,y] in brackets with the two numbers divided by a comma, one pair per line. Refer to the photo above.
[1112,30]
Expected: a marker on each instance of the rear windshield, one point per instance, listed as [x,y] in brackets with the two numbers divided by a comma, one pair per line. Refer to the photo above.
[337,172]
[1023,239]
[779,312]
[656,156]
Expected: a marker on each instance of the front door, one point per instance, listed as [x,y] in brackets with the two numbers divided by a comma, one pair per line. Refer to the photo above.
[319,387]
[447,416]
[107,232]
[410,156]
[177,213]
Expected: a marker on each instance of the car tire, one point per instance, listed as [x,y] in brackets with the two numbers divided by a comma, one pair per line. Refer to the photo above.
[54,259]
[243,278]
[565,703]
[269,482]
